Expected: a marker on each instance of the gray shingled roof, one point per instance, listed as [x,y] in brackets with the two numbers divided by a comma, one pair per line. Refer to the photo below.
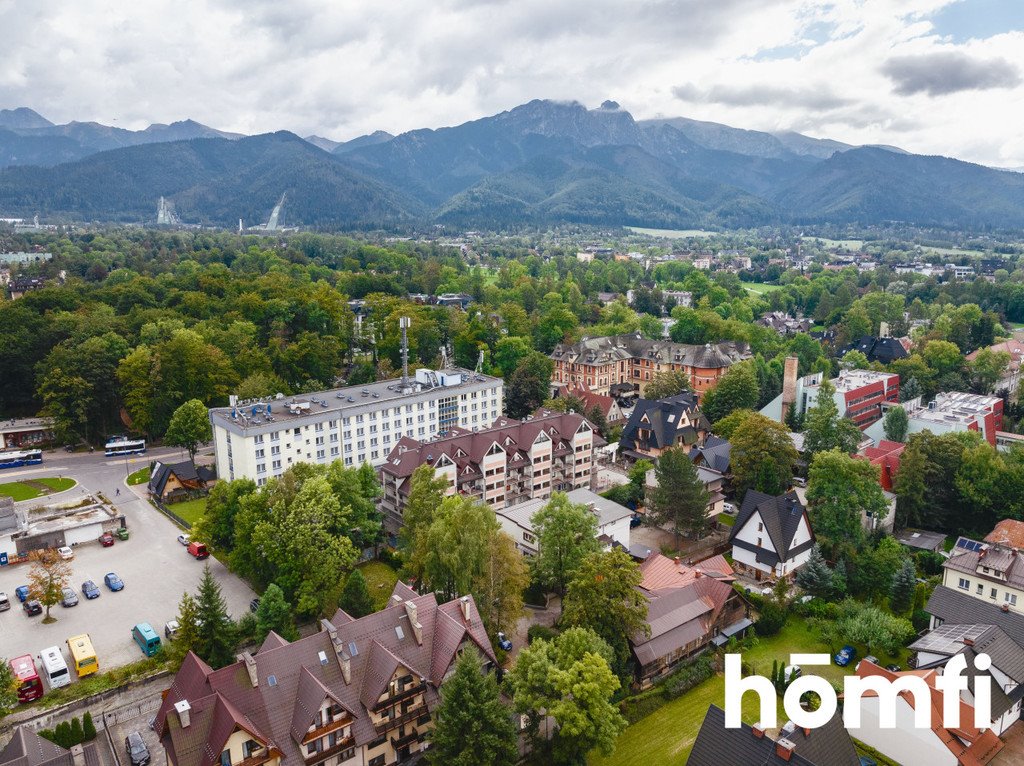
[662,417]
[828,745]
[781,517]
[949,605]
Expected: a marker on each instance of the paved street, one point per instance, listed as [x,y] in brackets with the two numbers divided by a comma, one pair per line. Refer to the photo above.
[156,569]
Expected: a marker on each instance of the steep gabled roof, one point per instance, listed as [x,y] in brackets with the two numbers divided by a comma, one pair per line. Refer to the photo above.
[828,745]
[715,454]
[950,605]
[666,419]
[781,517]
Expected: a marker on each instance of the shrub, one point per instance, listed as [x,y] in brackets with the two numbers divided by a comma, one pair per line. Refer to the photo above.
[671,687]
[921,620]
[540,632]
[88,727]
[391,557]
[534,595]
[930,562]
[772,618]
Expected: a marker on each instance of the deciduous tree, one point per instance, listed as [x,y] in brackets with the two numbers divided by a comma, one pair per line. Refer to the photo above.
[189,428]
[895,424]
[762,456]
[47,578]
[839,490]
[566,533]
[736,390]
[824,429]
[274,614]
[666,384]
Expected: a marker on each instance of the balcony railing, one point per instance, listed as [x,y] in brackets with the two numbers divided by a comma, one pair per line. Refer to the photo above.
[403,694]
[410,715]
[257,757]
[338,723]
[323,755]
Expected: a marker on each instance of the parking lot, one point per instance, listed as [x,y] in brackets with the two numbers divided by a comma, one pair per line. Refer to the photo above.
[155,568]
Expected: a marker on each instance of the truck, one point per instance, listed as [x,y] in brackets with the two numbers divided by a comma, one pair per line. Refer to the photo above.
[198,550]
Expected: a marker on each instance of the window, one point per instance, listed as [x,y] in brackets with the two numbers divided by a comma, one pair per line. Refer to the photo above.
[1010,599]
[377,760]
[344,755]
[258,438]
[981,589]
[261,468]
[992,595]
[313,747]
[759,542]
[275,464]
[964,584]
[260,453]
[760,526]
[225,758]
[249,747]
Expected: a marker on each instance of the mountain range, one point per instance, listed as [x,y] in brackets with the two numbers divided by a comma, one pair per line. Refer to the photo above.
[541,163]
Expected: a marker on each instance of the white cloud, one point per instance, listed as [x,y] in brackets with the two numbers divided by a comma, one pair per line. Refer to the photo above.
[345,68]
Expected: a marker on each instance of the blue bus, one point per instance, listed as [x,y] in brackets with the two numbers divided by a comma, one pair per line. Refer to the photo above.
[119,446]
[18,459]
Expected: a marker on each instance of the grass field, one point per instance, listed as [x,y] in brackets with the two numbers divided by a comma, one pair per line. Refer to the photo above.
[190,510]
[141,476]
[380,581]
[761,288]
[672,233]
[26,491]
[666,736]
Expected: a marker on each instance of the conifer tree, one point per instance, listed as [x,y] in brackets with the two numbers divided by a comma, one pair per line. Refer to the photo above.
[356,599]
[88,727]
[903,585]
[215,633]
[680,501]
[814,576]
[472,726]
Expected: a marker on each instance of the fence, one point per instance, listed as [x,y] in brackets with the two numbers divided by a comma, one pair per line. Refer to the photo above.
[160,506]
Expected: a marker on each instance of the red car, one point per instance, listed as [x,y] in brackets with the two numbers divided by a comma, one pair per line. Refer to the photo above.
[106,539]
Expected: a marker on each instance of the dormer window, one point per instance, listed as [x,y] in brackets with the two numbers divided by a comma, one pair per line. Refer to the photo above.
[225,758]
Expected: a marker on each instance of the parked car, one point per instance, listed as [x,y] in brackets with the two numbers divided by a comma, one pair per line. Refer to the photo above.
[199,550]
[894,668]
[872,659]
[21,592]
[171,629]
[89,589]
[254,605]
[122,533]
[799,481]
[106,539]
[32,607]
[635,521]
[65,553]
[845,656]
[184,539]
[5,603]
[503,642]
[113,582]
[792,672]
[136,748]
[68,597]
[729,508]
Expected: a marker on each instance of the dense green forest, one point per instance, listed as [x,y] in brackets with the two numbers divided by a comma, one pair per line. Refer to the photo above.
[147,320]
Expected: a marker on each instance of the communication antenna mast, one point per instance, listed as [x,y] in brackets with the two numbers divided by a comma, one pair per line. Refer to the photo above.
[404,323]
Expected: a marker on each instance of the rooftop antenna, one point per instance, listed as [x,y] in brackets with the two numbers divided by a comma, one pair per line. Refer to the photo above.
[404,323]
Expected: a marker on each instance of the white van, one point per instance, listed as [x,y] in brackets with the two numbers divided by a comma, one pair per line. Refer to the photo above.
[54,669]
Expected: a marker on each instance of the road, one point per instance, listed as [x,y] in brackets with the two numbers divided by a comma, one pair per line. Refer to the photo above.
[156,569]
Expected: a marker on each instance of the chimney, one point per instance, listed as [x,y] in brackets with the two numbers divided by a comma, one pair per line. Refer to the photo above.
[417,629]
[968,642]
[464,601]
[1005,607]
[250,666]
[339,651]
[677,560]
[792,366]
[697,574]
[77,755]
[395,600]
[757,730]
[183,709]
[784,748]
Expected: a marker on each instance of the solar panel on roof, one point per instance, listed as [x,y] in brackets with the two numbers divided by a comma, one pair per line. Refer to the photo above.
[971,545]
[271,680]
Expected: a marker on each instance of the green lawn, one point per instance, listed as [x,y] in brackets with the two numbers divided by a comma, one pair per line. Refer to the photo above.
[141,476]
[726,519]
[190,510]
[666,736]
[25,491]
[380,581]
[761,288]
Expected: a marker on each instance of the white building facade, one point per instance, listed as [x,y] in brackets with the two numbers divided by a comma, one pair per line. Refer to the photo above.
[262,439]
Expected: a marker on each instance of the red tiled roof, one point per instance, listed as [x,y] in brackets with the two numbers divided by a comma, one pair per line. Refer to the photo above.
[660,572]
[1009,532]
[982,744]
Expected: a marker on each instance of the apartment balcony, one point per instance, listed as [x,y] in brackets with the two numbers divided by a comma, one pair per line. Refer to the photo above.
[404,694]
[258,757]
[323,755]
[399,742]
[322,731]
[410,715]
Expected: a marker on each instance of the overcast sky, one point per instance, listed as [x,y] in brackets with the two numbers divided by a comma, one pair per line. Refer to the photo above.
[932,76]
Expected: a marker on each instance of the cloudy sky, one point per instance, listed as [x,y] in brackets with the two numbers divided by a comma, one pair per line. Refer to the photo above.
[932,76]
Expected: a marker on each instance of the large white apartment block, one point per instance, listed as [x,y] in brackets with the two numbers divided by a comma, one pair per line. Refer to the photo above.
[261,439]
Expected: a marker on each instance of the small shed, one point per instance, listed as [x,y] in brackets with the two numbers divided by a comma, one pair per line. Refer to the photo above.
[921,540]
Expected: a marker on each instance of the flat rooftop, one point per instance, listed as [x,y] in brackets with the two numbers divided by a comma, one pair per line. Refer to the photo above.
[16,425]
[956,406]
[850,380]
[607,511]
[255,413]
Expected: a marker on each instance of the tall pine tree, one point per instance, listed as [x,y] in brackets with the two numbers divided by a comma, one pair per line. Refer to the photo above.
[215,633]
[814,576]
[904,583]
[356,599]
[680,501]
[471,725]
